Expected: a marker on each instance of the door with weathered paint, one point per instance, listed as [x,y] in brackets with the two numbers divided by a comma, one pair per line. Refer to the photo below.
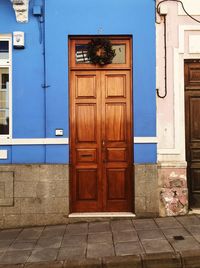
[192,118]
[100,135]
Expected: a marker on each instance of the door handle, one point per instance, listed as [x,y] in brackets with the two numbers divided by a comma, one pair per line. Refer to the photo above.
[103,143]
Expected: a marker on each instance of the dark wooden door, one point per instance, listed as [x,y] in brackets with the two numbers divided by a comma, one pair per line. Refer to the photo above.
[192,115]
[101,139]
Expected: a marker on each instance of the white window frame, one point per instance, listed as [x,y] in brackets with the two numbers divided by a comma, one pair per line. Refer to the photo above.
[8,64]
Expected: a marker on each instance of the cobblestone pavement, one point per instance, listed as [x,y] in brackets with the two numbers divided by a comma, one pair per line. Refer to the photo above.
[140,238]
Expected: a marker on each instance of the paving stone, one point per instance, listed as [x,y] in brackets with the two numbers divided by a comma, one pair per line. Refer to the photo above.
[30,233]
[144,224]
[164,260]
[73,240]
[193,229]
[83,263]
[22,245]
[150,234]
[99,250]
[186,244]
[188,220]
[125,236]
[191,258]
[15,257]
[52,264]
[52,242]
[128,248]
[100,238]
[72,252]
[153,246]
[53,231]
[4,244]
[47,254]
[96,227]
[168,222]
[122,225]
[77,228]
[12,266]
[123,261]
[9,234]
[171,232]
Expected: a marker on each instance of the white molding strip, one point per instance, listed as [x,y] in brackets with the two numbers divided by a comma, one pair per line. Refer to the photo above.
[45,141]
[145,140]
[54,141]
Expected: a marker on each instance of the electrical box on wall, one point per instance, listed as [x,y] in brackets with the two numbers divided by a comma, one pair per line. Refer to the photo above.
[18,40]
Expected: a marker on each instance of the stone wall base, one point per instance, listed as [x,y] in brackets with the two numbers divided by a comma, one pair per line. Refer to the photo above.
[173,192]
[146,190]
[33,195]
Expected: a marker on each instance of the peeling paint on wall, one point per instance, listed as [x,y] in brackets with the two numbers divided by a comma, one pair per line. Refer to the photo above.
[173,191]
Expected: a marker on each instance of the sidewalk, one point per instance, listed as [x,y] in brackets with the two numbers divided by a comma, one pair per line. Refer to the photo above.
[142,243]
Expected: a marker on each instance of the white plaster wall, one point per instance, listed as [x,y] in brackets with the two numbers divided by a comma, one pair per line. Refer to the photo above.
[182,34]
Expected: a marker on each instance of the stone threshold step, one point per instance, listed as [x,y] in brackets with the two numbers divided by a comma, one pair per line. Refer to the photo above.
[103,215]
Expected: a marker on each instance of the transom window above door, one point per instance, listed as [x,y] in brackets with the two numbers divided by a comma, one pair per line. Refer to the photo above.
[82,54]
[79,57]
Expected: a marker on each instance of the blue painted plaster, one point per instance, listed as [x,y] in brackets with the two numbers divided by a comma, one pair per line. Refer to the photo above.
[36,113]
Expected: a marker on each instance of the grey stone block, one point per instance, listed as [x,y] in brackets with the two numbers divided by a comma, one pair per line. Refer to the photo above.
[188,220]
[128,248]
[47,254]
[96,227]
[156,246]
[150,234]
[15,257]
[121,225]
[144,224]
[164,260]
[74,240]
[171,232]
[99,250]
[72,252]
[77,228]
[125,236]
[100,238]
[83,263]
[122,262]
[52,264]
[186,244]
[168,222]
[191,258]
[6,188]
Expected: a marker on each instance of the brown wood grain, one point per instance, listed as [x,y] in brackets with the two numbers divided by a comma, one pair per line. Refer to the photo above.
[192,118]
[101,134]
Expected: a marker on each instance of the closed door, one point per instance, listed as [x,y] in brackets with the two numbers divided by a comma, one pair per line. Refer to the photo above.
[101,139]
[192,115]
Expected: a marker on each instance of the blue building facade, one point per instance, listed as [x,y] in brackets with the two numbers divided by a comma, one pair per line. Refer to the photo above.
[39,77]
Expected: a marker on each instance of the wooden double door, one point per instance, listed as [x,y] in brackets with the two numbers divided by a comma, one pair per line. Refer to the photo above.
[101,139]
[192,115]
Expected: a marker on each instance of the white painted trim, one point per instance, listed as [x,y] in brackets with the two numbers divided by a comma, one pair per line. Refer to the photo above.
[179,93]
[145,140]
[102,215]
[45,141]
[38,141]
[8,37]
[182,29]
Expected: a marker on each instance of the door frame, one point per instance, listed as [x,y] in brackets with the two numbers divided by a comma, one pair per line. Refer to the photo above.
[127,66]
[187,129]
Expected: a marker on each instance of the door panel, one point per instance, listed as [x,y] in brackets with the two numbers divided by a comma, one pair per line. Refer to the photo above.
[192,115]
[86,115]
[100,140]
